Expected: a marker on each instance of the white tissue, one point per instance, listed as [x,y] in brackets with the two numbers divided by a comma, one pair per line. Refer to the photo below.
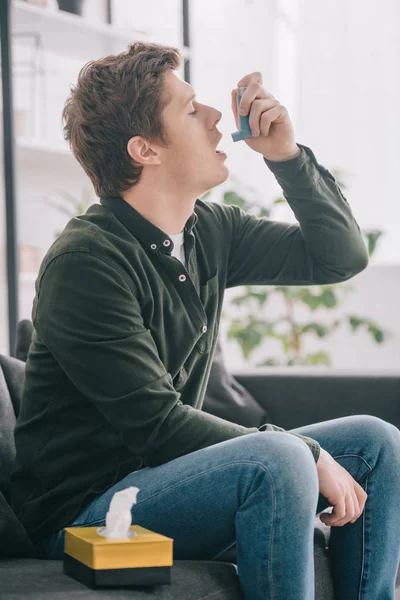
[119,517]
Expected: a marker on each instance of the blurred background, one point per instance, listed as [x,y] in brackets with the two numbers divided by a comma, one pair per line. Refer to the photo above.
[333,64]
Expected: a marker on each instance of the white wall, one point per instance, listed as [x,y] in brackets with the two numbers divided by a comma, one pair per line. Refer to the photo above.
[349,95]
[338,73]
[333,64]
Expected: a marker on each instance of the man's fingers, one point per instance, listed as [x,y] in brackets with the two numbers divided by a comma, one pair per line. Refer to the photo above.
[258,120]
[362,496]
[347,510]
[338,513]
[356,507]
[234,108]
[350,511]
[360,492]
[270,116]
[261,114]
[256,76]
[253,91]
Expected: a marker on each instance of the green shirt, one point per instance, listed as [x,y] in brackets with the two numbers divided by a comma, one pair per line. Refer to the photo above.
[124,335]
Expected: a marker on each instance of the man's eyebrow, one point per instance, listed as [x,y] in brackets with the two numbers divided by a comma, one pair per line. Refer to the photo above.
[190,99]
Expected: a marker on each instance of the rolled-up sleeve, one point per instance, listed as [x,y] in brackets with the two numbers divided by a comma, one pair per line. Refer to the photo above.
[326,246]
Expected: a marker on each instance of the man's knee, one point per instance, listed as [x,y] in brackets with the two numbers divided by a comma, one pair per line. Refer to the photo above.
[288,459]
[375,429]
[280,443]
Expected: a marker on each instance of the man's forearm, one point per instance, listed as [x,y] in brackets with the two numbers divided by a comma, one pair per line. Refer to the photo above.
[331,233]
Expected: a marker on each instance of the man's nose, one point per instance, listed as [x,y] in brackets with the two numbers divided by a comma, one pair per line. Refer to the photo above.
[219,115]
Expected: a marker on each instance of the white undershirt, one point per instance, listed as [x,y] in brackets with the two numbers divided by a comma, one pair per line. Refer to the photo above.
[179,248]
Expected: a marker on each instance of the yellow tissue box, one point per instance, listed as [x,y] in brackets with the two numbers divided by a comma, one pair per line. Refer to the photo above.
[98,561]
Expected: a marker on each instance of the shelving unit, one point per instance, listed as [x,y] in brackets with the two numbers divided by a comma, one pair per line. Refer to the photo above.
[63,32]
[38,154]
[75,37]
[43,146]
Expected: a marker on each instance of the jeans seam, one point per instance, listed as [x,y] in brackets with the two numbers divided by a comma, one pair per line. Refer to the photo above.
[270,574]
[363,547]
[236,462]
[92,524]
[356,455]
[363,518]
[172,486]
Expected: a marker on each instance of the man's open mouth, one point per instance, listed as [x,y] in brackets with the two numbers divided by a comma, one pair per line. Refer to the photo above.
[218,151]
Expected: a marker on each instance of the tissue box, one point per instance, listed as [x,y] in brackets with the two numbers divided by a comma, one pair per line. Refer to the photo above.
[97,561]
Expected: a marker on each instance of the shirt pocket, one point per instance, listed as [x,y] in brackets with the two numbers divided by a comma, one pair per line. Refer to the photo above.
[208,294]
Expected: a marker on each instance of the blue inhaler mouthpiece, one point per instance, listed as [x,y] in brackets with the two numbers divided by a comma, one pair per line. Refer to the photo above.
[244,131]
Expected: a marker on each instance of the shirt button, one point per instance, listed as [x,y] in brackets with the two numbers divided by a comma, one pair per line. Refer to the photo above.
[182,277]
[153,246]
[166,242]
[204,328]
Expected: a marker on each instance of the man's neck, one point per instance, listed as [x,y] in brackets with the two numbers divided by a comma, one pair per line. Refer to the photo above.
[165,212]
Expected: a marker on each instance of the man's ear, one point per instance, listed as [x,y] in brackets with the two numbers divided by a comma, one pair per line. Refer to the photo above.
[142,152]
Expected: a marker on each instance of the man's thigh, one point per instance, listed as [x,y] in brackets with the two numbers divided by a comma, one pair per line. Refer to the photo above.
[194,498]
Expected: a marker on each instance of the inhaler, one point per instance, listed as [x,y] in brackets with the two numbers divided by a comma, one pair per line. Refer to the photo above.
[244,131]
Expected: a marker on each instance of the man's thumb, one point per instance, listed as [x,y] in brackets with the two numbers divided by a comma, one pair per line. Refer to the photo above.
[234,108]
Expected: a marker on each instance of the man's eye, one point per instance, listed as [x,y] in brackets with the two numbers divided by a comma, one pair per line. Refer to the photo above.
[193,113]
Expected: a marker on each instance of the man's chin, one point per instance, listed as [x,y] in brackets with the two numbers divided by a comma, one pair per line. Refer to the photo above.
[224,174]
[221,176]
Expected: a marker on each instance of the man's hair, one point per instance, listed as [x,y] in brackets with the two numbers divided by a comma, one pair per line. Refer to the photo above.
[115,98]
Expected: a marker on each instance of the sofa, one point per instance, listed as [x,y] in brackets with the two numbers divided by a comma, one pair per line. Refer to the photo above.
[290,397]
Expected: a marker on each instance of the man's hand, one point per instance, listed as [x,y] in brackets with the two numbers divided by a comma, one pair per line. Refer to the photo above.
[341,490]
[273,134]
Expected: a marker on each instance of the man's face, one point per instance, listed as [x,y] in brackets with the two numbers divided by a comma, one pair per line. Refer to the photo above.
[191,129]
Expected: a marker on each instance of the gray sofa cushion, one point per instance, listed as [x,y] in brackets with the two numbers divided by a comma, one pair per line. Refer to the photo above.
[14,540]
[23,338]
[191,580]
[7,424]
[14,375]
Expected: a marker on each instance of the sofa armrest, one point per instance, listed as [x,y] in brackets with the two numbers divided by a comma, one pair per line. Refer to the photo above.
[14,374]
[298,396]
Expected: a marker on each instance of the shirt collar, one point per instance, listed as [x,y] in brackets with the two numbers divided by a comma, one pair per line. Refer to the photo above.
[150,235]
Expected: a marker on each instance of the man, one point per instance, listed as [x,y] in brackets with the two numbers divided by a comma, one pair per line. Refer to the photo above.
[126,317]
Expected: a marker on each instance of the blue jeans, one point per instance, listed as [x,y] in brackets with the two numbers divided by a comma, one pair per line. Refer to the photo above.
[261,491]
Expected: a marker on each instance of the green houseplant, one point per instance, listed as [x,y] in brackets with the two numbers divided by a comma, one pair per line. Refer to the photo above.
[68,204]
[251,328]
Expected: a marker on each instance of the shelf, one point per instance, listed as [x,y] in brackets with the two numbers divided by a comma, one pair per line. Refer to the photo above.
[71,34]
[28,278]
[43,156]
[45,146]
